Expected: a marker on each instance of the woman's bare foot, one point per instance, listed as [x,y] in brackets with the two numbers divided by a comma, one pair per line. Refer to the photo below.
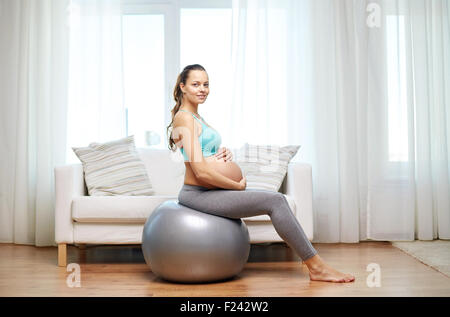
[320,271]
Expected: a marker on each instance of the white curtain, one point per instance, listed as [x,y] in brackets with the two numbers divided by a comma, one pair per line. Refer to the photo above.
[363,87]
[60,87]
[259,44]
[33,95]
[96,110]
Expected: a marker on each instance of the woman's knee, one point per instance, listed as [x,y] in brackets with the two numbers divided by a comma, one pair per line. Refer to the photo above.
[277,200]
[279,197]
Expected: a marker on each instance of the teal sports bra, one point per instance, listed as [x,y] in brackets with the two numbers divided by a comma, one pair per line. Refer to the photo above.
[209,139]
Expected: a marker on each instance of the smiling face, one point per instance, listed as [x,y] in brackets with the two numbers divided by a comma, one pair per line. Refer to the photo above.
[196,89]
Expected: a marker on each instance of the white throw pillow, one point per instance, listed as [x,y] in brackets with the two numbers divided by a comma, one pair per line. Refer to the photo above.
[265,166]
[114,168]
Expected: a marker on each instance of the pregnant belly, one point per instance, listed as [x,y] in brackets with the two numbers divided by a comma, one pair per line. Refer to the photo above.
[229,169]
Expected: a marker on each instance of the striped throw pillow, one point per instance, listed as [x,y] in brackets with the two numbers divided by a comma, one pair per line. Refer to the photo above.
[265,166]
[114,168]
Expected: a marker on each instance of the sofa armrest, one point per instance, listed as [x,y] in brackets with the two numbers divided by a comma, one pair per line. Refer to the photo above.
[69,183]
[299,187]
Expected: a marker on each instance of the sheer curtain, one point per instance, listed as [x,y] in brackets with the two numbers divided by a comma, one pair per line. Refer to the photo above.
[33,94]
[96,111]
[428,89]
[363,87]
[259,42]
[60,86]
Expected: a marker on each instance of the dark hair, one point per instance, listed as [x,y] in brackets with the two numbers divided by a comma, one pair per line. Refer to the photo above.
[178,96]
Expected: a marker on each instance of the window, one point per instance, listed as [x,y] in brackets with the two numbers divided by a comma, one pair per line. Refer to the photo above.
[205,38]
[144,77]
[397,102]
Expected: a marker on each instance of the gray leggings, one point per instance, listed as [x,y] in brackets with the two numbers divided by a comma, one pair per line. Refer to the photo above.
[248,203]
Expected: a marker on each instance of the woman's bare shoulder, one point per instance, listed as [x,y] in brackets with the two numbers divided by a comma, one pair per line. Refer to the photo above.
[185,120]
[181,118]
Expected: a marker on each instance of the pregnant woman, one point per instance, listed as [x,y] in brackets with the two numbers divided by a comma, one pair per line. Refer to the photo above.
[214,183]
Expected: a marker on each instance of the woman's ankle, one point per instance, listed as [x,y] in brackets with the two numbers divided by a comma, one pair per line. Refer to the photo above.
[314,263]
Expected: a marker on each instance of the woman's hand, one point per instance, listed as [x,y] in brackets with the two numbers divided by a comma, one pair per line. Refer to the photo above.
[242,184]
[224,153]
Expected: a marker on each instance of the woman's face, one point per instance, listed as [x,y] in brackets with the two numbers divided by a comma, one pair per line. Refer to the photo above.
[196,89]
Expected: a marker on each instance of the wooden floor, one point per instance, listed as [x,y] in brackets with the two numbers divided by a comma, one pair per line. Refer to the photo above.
[273,270]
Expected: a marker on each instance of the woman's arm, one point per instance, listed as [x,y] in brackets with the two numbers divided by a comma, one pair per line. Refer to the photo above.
[184,128]
[212,177]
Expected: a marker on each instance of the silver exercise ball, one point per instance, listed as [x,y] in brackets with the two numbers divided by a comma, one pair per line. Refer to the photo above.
[181,244]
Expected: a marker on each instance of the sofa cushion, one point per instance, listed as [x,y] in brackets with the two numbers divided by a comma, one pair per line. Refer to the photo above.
[265,166]
[122,209]
[129,209]
[165,169]
[114,168]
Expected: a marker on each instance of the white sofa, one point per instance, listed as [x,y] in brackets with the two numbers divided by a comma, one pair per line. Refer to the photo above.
[81,219]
